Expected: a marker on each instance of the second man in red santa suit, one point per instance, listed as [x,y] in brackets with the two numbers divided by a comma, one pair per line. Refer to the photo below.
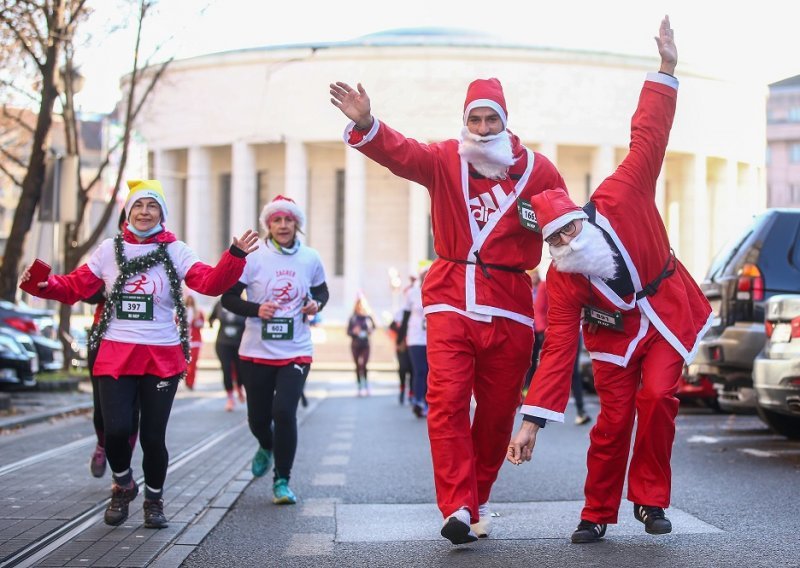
[476,296]
[643,316]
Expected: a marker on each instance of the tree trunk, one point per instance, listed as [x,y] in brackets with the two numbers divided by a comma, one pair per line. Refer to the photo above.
[34,177]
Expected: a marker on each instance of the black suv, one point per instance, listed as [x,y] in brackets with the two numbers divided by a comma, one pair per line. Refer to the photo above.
[761,262]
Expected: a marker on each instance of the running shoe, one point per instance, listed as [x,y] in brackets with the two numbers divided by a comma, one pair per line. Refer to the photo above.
[154,514]
[97,465]
[261,462]
[117,510]
[282,495]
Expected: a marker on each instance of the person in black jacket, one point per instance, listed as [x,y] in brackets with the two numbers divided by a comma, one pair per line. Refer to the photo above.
[229,336]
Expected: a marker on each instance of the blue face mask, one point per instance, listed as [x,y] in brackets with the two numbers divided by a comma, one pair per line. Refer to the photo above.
[148,233]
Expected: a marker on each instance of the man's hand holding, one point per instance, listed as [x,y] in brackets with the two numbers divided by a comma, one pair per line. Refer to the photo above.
[520,449]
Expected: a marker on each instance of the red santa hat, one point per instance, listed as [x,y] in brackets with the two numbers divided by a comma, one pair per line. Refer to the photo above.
[284,205]
[554,209]
[486,93]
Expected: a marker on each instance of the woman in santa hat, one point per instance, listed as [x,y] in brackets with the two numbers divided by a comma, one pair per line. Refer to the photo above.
[141,352]
[284,285]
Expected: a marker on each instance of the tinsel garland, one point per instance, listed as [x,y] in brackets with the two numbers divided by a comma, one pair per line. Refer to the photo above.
[129,269]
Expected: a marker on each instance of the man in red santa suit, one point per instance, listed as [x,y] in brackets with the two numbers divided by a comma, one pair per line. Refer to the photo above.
[477,295]
[643,316]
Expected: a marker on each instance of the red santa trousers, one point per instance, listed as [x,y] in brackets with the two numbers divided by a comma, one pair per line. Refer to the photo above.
[489,360]
[645,389]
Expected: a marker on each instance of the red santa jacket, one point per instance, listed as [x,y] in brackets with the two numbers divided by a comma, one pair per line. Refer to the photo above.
[454,282]
[623,207]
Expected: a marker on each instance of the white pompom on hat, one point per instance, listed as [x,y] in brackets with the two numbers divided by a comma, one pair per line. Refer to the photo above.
[282,204]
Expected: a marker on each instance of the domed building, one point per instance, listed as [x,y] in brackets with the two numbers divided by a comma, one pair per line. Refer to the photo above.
[228,131]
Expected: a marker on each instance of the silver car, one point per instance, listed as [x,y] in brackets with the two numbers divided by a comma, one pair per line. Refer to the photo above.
[776,371]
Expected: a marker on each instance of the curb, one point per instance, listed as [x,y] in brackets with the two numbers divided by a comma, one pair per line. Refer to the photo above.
[36,417]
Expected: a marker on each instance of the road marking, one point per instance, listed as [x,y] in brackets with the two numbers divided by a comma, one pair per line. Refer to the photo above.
[319,507]
[340,447]
[758,453]
[336,460]
[337,479]
[698,439]
[310,544]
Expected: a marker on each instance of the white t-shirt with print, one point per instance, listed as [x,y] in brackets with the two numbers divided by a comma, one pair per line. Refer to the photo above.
[417,333]
[161,330]
[285,279]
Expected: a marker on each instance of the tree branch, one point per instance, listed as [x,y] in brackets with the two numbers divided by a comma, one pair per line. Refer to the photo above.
[15,180]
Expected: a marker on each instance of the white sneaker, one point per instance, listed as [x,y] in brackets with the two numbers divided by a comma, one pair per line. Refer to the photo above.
[456,528]
[483,528]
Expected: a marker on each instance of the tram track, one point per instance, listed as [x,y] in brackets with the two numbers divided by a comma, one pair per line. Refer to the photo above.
[30,554]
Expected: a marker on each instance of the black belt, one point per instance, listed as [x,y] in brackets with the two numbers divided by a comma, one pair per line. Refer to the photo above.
[666,272]
[484,265]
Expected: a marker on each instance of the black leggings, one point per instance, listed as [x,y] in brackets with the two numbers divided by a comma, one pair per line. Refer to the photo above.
[97,415]
[404,369]
[229,360]
[118,400]
[360,350]
[272,397]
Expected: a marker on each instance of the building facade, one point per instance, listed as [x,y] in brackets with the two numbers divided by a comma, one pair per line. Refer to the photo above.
[783,143]
[227,132]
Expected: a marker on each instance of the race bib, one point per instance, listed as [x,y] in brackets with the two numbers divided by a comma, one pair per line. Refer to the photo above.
[280,329]
[602,318]
[527,218]
[135,307]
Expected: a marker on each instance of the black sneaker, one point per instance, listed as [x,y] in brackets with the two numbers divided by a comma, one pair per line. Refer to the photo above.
[653,518]
[588,531]
[154,514]
[117,510]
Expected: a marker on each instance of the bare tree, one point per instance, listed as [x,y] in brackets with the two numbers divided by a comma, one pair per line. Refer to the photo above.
[38,36]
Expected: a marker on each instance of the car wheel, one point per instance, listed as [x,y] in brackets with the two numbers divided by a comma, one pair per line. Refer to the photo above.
[788,426]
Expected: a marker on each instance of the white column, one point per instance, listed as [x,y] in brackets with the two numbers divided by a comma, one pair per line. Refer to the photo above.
[199,228]
[355,182]
[296,166]
[243,188]
[165,165]
[699,218]
[602,166]
[418,232]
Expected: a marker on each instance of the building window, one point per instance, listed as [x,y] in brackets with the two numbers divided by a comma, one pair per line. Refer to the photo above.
[224,213]
[262,194]
[338,216]
[794,114]
[794,153]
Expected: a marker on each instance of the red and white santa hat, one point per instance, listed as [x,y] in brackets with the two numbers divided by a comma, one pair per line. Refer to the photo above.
[284,205]
[486,93]
[554,209]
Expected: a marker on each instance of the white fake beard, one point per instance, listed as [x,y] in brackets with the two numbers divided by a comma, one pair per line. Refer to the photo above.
[588,254]
[491,156]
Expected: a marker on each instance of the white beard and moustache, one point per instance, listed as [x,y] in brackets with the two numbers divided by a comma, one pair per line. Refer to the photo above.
[491,156]
[589,254]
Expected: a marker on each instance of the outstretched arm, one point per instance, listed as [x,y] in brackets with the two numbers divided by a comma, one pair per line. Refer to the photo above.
[354,103]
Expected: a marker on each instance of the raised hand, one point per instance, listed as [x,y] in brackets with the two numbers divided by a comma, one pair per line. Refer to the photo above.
[353,103]
[248,242]
[666,47]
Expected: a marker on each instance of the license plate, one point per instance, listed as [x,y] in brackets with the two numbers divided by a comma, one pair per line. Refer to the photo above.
[782,333]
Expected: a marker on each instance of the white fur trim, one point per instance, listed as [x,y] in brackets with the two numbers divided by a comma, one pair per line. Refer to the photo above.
[282,205]
[559,222]
[486,103]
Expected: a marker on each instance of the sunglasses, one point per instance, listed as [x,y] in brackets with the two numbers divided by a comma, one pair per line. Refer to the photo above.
[568,230]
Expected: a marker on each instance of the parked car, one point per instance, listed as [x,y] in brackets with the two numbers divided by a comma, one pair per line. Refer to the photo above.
[33,322]
[776,375]
[26,342]
[15,364]
[764,260]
